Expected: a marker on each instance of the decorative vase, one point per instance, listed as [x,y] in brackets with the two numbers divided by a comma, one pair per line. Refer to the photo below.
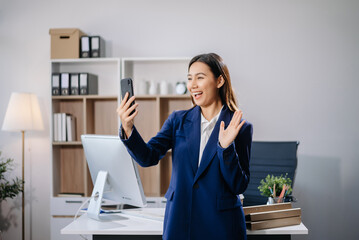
[164,88]
[143,87]
[153,88]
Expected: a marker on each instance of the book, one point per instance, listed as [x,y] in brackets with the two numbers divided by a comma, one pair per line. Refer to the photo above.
[70,128]
[55,128]
[273,223]
[285,213]
[264,208]
[59,138]
[63,127]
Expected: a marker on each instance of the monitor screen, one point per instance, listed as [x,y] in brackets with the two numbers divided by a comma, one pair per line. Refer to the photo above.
[121,183]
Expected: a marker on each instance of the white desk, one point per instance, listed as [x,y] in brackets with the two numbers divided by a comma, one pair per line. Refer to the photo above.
[125,226]
[121,224]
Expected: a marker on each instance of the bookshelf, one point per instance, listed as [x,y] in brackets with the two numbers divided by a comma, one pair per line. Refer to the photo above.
[96,114]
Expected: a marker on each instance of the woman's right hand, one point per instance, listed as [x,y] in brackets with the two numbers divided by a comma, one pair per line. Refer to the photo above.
[124,111]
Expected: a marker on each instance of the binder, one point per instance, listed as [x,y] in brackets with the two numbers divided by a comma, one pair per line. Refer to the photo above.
[56,83]
[97,47]
[58,127]
[63,127]
[85,47]
[74,84]
[70,128]
[65,84]
[55,128]
[88,84]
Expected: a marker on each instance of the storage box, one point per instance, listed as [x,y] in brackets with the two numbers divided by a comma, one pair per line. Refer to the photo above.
[65,42]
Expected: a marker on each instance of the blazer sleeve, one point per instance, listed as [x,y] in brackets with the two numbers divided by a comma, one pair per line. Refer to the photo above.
[148,154]
[234,160]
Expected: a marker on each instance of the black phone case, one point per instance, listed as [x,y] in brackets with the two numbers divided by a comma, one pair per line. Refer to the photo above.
[127,86]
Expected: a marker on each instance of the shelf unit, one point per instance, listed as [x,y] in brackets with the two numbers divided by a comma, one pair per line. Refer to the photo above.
[155,109]
[95,114]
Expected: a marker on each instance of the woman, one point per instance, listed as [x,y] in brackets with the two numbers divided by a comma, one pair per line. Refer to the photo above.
[210,155]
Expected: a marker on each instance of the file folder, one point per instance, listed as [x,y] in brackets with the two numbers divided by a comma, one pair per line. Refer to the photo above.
[65,84]
[88,84]
[55,128]
[63,127]
[85,47]
[56,83]
[70,128]
[97,47]
[74,84]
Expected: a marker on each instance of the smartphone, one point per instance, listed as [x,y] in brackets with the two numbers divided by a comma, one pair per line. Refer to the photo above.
[127,86]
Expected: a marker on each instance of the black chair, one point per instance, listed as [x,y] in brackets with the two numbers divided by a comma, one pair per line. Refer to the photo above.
[274,158]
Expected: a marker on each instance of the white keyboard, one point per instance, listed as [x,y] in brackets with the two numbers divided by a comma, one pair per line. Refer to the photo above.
[149,213]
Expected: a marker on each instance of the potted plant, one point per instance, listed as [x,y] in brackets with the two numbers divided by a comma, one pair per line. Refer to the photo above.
[276,188]
[8,188]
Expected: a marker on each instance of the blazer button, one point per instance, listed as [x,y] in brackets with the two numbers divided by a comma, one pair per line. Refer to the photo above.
[196,186]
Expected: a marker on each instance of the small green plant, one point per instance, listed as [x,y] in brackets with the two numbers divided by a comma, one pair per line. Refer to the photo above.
[279,181]
[8,189]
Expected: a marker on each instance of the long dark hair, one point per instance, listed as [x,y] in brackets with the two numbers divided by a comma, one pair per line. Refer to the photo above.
[218,68]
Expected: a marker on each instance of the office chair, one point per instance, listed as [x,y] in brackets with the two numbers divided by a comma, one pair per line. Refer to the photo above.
[274,158]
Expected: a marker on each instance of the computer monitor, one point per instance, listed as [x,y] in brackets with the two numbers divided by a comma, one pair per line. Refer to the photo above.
[114,173]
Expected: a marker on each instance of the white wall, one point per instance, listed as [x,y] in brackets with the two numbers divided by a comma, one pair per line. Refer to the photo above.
[294,64]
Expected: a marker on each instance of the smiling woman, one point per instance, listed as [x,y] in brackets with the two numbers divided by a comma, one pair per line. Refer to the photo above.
[211,147]
[212,66]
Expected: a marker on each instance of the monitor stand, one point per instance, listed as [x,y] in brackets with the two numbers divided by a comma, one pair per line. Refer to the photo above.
[94,208]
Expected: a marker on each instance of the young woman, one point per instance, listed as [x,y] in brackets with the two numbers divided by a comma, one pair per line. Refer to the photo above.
[211,147]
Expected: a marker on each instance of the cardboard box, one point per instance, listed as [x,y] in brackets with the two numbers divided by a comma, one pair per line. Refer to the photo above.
[65,42]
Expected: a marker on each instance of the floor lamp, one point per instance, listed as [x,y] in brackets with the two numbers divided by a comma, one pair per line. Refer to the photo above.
[23,114]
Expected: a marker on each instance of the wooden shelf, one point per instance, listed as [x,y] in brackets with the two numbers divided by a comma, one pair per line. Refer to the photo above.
[76,143]
[83,97]
[156,59]
[85,60]
[163,96]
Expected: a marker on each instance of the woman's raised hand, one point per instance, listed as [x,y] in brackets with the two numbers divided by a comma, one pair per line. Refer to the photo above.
[227,136]
[124,112]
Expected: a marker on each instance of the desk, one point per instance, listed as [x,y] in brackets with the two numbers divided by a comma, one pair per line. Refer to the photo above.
[132,227]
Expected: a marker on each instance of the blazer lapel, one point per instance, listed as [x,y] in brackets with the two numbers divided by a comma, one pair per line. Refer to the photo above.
[192,129]
[211,147]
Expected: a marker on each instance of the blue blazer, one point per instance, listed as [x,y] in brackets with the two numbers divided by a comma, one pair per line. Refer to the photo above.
[202,202]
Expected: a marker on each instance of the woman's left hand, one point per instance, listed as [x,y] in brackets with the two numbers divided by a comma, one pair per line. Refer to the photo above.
[227,136]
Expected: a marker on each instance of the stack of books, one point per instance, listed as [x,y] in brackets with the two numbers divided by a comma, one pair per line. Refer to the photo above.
[271,216]
[64,127]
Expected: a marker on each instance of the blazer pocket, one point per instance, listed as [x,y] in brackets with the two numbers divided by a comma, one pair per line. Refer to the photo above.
[169,194]
[228,202]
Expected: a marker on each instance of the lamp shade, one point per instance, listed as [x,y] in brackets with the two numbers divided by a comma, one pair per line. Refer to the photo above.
[23,113]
